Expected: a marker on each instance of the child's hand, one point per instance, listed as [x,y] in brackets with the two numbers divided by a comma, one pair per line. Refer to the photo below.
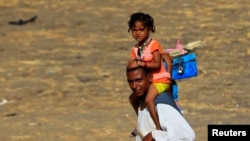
[132,64]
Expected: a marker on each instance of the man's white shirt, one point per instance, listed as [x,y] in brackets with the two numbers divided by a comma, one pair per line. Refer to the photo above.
[174,126]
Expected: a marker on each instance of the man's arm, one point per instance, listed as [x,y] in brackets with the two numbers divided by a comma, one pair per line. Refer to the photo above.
[148,137]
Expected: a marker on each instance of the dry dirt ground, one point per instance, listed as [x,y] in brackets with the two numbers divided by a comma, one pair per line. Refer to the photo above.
[62,77]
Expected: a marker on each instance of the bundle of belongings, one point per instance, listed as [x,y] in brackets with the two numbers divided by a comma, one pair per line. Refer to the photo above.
[185,49]
[184,64]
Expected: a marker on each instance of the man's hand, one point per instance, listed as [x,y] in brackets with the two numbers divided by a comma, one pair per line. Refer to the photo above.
[148,137]
[134,133]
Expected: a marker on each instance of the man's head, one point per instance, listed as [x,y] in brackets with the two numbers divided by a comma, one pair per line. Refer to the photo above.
[139,80]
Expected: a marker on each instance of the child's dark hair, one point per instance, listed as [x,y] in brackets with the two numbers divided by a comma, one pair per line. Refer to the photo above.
[146,19]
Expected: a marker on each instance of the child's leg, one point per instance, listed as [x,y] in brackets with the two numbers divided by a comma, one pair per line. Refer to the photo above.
[134,102]
[149,100]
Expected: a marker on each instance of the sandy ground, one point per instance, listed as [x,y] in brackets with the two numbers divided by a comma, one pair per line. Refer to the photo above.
[62,77]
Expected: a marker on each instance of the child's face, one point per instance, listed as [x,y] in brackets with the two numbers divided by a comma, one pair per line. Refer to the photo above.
[139,32]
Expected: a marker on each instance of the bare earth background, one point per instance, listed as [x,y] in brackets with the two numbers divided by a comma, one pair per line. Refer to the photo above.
[62,78]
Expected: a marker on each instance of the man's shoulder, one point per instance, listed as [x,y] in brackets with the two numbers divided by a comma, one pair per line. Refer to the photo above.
[166,98]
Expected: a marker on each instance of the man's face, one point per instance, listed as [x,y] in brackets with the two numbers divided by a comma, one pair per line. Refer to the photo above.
[138,81]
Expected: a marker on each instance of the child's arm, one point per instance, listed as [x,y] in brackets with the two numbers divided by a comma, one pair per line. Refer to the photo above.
[155,63]
[168,60]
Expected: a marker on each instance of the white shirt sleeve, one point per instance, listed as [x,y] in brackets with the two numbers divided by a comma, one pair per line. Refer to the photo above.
[174,125]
